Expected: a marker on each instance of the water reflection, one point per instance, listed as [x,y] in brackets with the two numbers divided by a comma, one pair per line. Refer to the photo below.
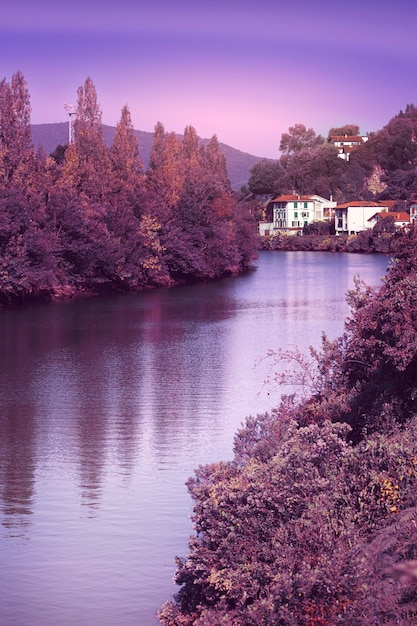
[107,405]
[17,468]
[97,374]
[104,381]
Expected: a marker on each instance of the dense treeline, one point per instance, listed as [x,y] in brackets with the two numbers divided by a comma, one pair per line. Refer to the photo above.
[384,167]
[89,218]
[314,521]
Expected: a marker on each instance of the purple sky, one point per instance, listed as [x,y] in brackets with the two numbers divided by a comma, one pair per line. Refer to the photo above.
[244,70]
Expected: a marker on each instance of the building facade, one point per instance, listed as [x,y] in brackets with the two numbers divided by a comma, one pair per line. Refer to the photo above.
[290,213]
[354,217]
[346,144]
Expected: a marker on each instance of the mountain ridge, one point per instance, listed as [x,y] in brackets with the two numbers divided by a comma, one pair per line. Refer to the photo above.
[239,164]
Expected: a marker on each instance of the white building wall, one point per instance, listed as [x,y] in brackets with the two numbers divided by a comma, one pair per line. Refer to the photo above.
[266,228]
[297,213]
[413,212]
[357,218]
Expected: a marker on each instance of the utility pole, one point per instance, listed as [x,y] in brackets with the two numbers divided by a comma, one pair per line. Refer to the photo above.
[70,109]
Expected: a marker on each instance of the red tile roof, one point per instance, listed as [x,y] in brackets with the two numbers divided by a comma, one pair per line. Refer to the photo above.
[292,198]
[359,203]
[399,216]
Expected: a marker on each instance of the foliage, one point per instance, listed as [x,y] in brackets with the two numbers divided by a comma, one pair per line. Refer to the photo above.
[266,177]
[348,130]
[314,520]
[383,167]
[299,138]
[16,149]
[89,219]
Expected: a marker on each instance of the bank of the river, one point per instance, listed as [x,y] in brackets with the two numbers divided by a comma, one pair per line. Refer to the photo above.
[66,292]
[314,521]
[366,242]
[107,405]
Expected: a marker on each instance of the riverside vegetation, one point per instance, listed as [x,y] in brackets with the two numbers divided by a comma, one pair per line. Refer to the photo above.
[383,168]
[314,521]
[89,219]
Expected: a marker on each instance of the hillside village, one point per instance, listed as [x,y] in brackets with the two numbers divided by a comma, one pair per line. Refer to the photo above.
[290,214]
[343,185]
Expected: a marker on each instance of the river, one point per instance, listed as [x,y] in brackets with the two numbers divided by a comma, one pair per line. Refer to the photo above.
[106,407]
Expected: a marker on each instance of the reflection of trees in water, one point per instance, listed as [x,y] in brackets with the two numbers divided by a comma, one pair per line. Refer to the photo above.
[109,380]
[184,361]
[17,469]
[105,382]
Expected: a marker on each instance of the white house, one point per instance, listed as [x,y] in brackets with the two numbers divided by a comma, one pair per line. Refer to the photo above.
[400,218]
[413,211]
[346,144]
[290,213]
[353,217]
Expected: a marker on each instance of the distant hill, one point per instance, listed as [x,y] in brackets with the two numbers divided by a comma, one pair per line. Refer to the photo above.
[239,164]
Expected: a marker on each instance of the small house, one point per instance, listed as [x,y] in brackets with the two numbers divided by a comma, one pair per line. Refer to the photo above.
[291,212]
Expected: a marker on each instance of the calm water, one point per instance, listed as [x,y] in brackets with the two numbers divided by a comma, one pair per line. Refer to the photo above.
[106,407]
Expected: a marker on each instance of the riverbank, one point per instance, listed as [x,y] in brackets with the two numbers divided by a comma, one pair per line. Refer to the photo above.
[314,519]
[366,242]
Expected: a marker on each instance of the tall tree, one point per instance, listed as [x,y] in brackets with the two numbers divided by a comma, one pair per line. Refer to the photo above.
[124,152]
[165,174]
[16,148]
[214,162]
[92,153]
[190,147]
[127,169]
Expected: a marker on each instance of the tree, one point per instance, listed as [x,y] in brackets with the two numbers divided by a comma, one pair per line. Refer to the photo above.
[214,162]
[127,170]
[190,147]
[266,177]
[165,175]
[348,130]
[92,154]
[58,155]
[87,218]
[16,148]
[299,138]
[124,152]
[327,171]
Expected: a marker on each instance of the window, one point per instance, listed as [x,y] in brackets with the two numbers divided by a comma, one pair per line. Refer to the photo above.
[295,213]
[305,205]
[295,205]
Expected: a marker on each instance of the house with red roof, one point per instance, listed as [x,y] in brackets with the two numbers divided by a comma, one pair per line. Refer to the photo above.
[346,144]
[289,213]
[399,218]
[353,217]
